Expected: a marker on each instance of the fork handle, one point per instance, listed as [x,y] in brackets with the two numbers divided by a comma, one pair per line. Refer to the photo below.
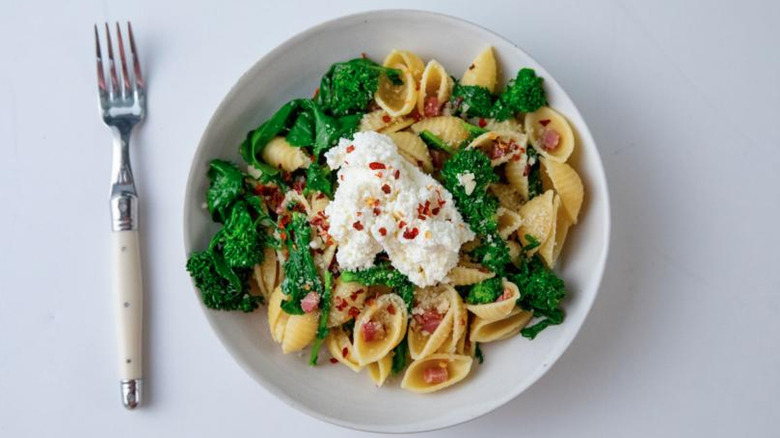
[128,293]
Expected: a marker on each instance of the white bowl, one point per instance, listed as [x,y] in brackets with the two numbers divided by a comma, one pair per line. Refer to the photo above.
[334,393]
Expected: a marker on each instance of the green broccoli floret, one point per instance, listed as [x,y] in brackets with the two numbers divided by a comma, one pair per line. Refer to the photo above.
[471,100]
[477,206]
[486,291]
[383,274]
[541,291]
[226,186]
[535,174]
[243,242]
[217,292]
[348,87]
[524,94]
[493,253]
[300,273]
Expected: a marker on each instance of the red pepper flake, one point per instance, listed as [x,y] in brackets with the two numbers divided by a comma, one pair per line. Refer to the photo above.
[376,202]
[435,211]
[350,148]
[334,360]
[401,224]
[375,165]
[391,309]
[386,188]
[377,211]
[341,177]
[344,352]
[420,163]
[316,93]
[378,174]
[386,118]
[358,226]
[482,122]
[397,174]
[442,202]
[516,157]
[383,231]
[353,296]
[283,235]
[544,122]
[370,301]
[354,312]
[411,233]
[320,195]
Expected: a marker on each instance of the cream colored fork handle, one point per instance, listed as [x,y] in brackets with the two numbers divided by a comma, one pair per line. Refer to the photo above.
[128,293]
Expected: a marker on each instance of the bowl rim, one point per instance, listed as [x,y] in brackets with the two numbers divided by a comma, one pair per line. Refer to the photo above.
[484,408]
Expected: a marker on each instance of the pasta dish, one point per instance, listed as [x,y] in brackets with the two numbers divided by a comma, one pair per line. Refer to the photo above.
[400,218]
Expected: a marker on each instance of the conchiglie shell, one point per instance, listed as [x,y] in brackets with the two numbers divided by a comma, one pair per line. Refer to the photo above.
[317,202]
[300,331]
[398,125]
[514,252]
[397,100]
[467,275]
[412,148]
[381,121]
[459,322]
[483,71]
[499,309]
[407,59]
[507,196]
[294,197]
[489,331]
[448,128]
[458,367]
[465,346]
[435,82]
[394,324]
[508,222]
[546,250]
[510,124]
[551,249]
[561,232]
[513,142]
[282,155]
[277,318]
[517,175]
[380,370]
[538,217]
[345,292]
[421,345]
[535,127]
[266,274]
[567,184]
[337,344]
[323,260]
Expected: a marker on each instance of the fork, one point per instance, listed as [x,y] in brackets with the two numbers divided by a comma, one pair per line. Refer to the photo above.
[122,103]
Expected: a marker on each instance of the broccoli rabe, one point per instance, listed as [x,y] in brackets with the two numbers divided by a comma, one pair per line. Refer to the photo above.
[471,100]
[348,87]
[541,292]
[383,274]
[319,178]
[486,291]
[432,140]
[322,328]
[300,273]
[216,291]
[226,186]
[243,242]
[493,253]
[523,94]
[400,353]
[475,204]
[478,353]
[534,174]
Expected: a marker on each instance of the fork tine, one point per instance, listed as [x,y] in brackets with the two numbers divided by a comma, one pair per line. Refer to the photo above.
[112,66]
[139,80]
[125,75]
[100,73]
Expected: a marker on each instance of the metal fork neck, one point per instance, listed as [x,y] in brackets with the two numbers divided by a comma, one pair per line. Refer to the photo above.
[124,199]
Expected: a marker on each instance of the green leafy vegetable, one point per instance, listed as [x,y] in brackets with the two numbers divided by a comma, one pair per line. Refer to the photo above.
[478,353]
[243,241]
[486,291]
[226,186]
[524,94]
[478,207]
[432,140]
[216,291]
[533,242]
[399,357]
[535,174]
[302,131]
[471,100]
[348,87]
[252,148]
[383,274]
[300,273]
[493,253]
[318,178]
[541,292]
[322,329]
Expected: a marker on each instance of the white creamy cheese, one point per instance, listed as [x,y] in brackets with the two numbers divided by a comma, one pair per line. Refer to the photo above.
[383,202]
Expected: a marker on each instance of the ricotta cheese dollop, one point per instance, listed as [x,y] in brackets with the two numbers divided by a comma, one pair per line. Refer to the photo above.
[385,203]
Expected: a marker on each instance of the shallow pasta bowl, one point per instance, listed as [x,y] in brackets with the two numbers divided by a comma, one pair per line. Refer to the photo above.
[335,393]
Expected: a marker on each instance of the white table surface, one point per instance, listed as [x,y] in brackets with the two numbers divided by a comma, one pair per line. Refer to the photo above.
[683,102]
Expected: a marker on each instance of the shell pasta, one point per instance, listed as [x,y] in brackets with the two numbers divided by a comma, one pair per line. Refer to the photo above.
[401,218]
